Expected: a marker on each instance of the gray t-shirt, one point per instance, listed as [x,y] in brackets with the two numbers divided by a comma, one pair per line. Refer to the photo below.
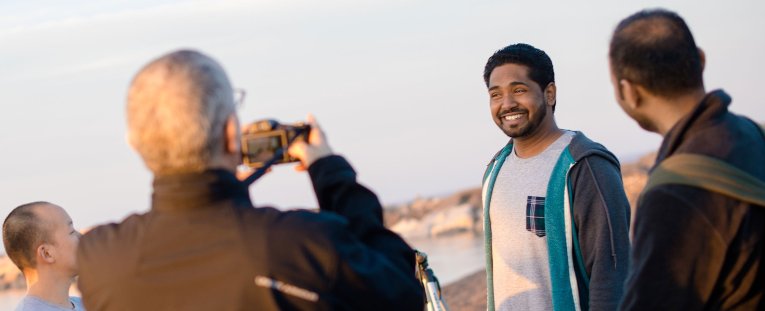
[31,303]
[519,244]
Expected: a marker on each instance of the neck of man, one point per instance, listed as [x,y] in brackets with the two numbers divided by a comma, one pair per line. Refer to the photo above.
[533,144]
[49,286]
[226,162]
[668,111]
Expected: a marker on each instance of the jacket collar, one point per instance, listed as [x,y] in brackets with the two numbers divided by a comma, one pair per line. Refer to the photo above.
[580,148]
[198,190]
[711,109]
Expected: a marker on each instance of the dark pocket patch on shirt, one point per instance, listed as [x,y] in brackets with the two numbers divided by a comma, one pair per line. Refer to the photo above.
[535,215]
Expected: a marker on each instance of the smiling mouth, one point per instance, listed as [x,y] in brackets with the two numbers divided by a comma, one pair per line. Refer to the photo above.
[513,117]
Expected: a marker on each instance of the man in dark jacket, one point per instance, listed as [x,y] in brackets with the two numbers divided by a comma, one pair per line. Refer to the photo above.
[693,249]
[203,246]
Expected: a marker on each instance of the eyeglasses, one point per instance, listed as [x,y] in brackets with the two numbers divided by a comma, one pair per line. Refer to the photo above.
[239,95]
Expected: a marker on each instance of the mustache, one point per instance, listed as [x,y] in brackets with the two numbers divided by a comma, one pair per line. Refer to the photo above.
[514,109]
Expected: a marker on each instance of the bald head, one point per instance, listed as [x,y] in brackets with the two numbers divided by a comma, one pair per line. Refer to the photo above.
[177,107]
[24,230]
[655,49]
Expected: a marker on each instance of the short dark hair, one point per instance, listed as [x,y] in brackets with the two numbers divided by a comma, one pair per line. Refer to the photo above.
[539,64]
[655,48]
[22,233]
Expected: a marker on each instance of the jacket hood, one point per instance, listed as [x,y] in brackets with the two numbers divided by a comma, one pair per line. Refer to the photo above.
[582,147]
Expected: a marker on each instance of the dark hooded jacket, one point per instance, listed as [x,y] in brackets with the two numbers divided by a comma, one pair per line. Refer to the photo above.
[203,246]
[695,249]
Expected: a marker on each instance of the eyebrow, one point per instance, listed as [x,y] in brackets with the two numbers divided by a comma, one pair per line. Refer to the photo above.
[514,83]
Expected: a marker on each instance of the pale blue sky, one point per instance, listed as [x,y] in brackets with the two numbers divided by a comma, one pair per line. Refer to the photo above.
[397,85]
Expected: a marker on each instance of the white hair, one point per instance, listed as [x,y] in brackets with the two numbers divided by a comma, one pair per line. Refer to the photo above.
[177,108]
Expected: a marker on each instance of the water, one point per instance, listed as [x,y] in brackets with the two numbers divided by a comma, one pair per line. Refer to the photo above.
[454,257]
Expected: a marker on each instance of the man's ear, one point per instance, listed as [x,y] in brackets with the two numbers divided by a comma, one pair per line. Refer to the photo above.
[630,93]
[551,93]
[45,253]
[231,132]
[703,58]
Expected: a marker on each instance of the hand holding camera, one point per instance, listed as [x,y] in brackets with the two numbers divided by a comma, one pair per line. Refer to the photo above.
[316,147]
[268,142]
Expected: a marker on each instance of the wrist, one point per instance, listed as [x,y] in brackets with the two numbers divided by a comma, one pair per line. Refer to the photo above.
[317,155]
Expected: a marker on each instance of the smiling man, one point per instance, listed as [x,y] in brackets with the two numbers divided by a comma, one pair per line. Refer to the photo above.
[556,218]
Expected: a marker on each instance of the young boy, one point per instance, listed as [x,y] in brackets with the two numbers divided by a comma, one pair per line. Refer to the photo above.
[40,239]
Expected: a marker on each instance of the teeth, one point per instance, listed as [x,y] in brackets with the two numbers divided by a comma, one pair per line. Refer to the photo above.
[513,117]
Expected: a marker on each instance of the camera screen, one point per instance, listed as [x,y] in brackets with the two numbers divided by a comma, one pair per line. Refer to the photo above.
[263,148]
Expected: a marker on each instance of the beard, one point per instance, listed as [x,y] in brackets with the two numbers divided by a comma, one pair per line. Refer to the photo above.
[530,127]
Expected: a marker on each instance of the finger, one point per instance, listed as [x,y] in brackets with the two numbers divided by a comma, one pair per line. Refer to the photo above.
[243,171]
[297,149]
[317,134]
[300,167]
[312,121]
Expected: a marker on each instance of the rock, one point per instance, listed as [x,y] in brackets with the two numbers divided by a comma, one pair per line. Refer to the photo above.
[635,176]
[458,219]
[432,217]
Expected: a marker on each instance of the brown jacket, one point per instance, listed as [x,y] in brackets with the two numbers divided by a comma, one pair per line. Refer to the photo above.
[204,247]
[695,249]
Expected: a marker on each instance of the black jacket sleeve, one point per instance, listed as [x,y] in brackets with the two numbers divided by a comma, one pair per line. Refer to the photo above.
[602,217]
[375,266]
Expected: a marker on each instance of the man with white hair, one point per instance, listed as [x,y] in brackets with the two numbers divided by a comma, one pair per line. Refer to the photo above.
[203,246]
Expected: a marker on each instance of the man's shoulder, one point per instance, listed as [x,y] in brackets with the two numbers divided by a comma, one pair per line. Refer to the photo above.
[311,234]
[582,147]
[291,217]
[111,239]
[308,223]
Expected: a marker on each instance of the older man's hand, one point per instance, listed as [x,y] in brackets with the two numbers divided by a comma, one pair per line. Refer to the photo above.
[315,149]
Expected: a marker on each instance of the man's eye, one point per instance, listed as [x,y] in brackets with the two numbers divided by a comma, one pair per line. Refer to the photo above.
[494,95]
[519,91]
